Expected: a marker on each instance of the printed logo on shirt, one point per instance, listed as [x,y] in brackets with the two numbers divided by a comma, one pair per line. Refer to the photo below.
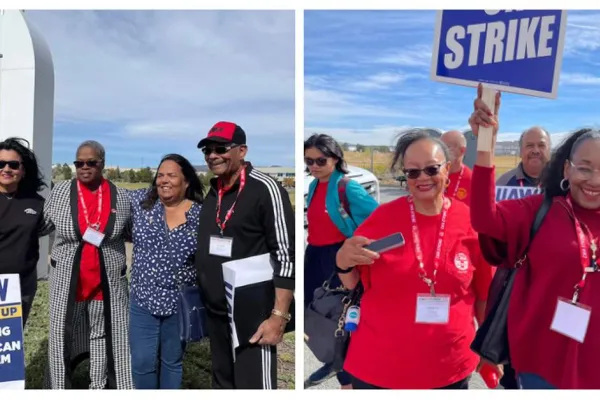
[30,211]
[461,262]
[461,194]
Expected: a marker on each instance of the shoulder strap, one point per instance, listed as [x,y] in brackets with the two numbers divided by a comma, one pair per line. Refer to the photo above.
[342,195]
[539,218]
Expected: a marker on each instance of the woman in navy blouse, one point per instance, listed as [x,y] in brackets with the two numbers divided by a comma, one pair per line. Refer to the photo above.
[165,225]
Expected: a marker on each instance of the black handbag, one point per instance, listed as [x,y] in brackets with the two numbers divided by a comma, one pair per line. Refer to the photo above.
[491,339]
[324,320]
[191,314]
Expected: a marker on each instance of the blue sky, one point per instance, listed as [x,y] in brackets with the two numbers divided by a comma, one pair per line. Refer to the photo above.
[367,72]
[148,83]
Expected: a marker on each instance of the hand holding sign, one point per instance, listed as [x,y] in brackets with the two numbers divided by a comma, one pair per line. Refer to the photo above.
[483,120]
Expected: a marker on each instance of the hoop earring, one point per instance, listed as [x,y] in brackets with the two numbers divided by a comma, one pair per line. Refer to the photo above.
[562,183]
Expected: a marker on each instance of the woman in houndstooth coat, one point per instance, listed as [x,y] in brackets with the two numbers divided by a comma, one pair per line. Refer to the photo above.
[82,327]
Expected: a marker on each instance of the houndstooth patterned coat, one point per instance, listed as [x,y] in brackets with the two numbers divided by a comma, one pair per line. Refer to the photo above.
[69,344]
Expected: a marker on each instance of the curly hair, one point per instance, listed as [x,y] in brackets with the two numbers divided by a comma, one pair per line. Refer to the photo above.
[553,173]
[33,181]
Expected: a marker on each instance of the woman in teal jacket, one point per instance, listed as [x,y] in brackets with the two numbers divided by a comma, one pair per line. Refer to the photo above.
[336,207]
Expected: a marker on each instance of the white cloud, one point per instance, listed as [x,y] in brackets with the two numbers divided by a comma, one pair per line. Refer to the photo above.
[383,80]
[162,72]
[583,33]
[579,79]
[411,56]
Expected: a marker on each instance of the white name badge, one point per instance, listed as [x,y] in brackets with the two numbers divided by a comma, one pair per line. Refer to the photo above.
[571,320]
[433,309]
[220,246]
[93,236]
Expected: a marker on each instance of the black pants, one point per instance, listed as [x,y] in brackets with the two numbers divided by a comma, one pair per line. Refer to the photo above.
[509,380]
[255,366]
[358,384]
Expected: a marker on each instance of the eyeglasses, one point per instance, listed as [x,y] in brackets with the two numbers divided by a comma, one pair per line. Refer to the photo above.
[414,173]
[89,163]
[321,161]
[218,149]
[584,171]
[14,165]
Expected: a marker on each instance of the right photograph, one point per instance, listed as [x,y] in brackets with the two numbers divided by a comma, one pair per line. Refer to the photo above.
[452,199]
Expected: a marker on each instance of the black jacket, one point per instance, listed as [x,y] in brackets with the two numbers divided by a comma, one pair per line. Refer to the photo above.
[262,222]
[20,220]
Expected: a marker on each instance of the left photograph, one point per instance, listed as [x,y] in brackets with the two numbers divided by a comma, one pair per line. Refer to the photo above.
[147,189]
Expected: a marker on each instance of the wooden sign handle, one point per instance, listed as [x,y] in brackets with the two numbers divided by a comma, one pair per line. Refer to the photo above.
[486,134]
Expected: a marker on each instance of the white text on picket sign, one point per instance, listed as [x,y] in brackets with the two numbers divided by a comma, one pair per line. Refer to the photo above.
[500,41]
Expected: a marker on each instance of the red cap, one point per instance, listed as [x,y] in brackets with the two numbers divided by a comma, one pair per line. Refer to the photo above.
[224,132]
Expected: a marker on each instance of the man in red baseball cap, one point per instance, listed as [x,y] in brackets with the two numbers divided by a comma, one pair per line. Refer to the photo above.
[245,214]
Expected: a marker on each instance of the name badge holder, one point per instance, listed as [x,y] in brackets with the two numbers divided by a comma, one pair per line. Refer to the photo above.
[92,234]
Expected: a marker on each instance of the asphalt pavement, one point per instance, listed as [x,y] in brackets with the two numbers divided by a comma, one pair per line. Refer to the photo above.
[311,364]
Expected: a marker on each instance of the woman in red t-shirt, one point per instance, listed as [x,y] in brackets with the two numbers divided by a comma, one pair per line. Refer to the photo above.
[417,314]
[554,310]
[327,228]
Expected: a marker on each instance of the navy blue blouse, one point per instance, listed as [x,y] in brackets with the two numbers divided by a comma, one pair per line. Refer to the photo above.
[163,260]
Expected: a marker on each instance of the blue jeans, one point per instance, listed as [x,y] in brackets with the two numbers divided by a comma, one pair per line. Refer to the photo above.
[156,350]
[533,381]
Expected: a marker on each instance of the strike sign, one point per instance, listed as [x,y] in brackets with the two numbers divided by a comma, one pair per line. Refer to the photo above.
[515,192]
[12,356]
[518,51]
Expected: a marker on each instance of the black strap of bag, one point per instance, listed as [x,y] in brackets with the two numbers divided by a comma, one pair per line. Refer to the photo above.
[491,339]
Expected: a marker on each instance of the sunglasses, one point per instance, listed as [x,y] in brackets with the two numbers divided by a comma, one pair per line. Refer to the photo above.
[89,163]
[414,173]
[218,149]
[321,161]
[14,165]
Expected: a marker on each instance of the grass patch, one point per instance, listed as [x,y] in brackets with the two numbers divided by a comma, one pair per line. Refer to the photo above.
[196,364]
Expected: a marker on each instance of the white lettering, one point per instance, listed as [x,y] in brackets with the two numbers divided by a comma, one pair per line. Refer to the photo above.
[514,192]
[504,41]
[4,359]
[5,331]
[454,60]
[526,43]
[475,31]
[545,36]
[10,346]
[511,39]
[493,42]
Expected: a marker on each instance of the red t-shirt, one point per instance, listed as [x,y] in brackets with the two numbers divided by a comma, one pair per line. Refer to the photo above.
[389,349]
[460,186]
[553,270]
[88,287]
[321,230]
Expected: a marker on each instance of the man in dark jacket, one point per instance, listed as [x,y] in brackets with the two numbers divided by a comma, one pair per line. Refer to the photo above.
[245,214]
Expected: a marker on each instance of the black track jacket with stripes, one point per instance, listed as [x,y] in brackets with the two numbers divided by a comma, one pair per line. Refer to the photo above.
[262,222]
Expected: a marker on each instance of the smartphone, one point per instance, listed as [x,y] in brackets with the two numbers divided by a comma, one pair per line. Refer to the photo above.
[387,243]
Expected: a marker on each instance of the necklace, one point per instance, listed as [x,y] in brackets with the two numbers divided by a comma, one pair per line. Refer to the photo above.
[7,195]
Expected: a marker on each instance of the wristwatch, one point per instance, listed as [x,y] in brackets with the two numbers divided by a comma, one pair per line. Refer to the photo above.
[286,316]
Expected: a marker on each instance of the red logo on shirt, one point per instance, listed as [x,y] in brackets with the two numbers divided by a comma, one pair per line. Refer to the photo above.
[461,262]
[461,194]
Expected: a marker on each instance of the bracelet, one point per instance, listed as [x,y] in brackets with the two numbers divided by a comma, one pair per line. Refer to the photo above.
[343,271]
[286,316]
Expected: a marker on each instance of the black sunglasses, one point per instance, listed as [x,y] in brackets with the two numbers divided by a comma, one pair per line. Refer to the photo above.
[321,161]
[89,163]
[14,165]
[414,173]
[218,149]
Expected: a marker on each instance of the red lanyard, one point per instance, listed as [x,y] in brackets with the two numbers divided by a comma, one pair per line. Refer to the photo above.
[462,171]
[417,243]
[220,198]
[96,226]
[584,241]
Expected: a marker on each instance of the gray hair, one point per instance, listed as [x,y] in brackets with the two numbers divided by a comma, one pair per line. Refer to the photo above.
[405,139]
[588,135]
[530,129]
[97,147]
